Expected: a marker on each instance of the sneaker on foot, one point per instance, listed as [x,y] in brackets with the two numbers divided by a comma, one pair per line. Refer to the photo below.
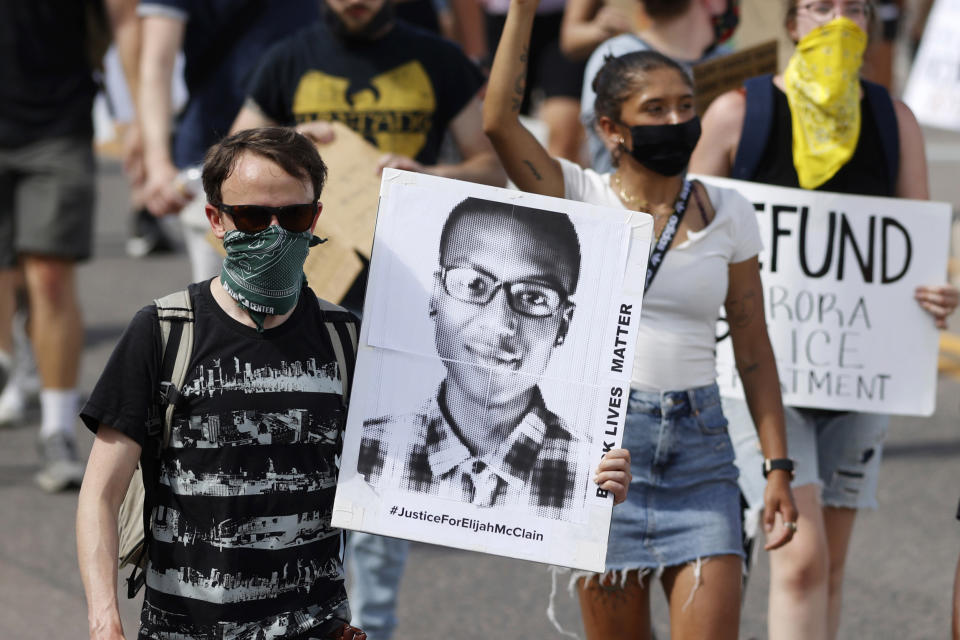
[6,369]
[147,237]
[62,468]
[13,405]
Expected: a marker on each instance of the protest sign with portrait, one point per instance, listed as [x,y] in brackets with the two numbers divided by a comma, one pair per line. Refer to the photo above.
[839,274]
[493,369]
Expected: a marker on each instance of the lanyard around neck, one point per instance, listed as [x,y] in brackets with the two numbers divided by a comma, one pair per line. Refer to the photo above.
[662,244]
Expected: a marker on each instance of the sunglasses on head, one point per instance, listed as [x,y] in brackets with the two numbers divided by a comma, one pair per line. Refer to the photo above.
[251,218]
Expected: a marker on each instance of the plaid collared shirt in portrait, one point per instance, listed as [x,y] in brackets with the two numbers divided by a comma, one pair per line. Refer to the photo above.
[537,465]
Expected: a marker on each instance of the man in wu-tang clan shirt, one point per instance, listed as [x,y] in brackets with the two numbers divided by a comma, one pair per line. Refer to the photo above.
[398,86]
[240,544]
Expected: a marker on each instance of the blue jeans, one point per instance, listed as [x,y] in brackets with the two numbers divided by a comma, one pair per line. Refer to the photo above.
[376,564]
[683,503]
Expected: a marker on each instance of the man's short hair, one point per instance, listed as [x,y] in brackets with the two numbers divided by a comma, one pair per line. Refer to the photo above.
[293,152]
[552,224]
[661,9]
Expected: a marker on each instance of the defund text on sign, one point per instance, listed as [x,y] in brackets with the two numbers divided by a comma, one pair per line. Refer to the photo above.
[880,254]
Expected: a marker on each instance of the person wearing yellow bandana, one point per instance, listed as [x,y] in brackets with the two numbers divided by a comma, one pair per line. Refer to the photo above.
[820,126]
[822,84]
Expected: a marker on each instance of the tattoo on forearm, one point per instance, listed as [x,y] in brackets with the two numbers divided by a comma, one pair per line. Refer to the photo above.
[750,368]
[533,169]
[520,84]
[740,310]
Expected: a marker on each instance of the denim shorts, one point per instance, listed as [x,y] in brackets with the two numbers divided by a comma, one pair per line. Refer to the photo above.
[683,502]
[838,450]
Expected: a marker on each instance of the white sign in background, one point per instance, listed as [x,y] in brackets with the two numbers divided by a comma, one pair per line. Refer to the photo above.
[839,274]
[586,382]
[933,87]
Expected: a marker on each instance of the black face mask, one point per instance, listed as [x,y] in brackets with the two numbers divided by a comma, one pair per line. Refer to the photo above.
[665,148]
[369,32]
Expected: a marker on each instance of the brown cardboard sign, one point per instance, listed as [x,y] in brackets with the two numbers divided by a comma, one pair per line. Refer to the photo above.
[349,215]
[720,75]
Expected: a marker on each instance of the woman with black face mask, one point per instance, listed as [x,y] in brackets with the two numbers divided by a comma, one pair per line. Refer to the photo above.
[681,520]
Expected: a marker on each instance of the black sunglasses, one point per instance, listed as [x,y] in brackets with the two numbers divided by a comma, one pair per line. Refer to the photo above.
[251,218]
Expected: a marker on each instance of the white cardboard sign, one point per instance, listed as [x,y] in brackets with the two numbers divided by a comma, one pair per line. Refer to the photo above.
[933,87]
[451,391]
[839,274]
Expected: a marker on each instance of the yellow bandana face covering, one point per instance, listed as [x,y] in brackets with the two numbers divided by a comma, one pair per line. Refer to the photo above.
[822,83]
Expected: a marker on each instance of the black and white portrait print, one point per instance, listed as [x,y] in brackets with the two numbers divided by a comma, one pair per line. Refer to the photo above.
[480,381]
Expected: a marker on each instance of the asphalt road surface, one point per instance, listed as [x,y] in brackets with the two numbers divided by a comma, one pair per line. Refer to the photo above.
[902,557]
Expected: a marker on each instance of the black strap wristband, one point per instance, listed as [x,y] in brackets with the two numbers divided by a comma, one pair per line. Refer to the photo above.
[772,464]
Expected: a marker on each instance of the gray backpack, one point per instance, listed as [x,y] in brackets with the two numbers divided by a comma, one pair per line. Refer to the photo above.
[175,314]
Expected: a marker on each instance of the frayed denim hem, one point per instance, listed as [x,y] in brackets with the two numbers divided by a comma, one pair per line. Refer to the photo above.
[619,577]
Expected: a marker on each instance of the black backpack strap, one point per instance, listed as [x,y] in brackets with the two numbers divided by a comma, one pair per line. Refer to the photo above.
[881,106]
[757,124]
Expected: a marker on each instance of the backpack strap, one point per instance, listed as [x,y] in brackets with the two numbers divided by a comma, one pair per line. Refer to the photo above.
[881,106]
[175,313]
[176,318]
[341,328]
[757,123]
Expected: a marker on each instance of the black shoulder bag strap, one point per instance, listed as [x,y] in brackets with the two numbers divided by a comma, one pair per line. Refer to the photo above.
[662,244]
[757,124]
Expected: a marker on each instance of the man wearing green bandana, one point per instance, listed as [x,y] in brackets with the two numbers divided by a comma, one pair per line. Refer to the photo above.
[240,543]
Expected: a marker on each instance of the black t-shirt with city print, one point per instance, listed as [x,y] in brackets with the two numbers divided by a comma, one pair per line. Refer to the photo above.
[241,540]
[399,92]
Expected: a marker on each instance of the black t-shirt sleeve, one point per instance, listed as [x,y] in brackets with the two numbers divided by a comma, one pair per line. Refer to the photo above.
[271,86]
[122,396]
[461,79]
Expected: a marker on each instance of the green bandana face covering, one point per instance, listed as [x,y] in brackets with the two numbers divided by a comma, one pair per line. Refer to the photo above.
[263,271]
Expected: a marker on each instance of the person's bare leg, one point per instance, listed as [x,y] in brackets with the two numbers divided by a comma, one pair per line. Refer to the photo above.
[566,135]
[799,572]
[56,324]
[838,523]
[8,304]
[705,600]
[612,611]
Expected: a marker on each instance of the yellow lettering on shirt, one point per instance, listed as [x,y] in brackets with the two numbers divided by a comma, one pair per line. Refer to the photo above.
[393,110]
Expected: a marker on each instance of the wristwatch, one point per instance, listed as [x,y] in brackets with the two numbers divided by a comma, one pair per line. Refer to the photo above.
[771,464]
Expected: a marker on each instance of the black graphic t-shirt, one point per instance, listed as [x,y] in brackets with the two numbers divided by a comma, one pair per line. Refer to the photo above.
[241,540]
[399,92]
